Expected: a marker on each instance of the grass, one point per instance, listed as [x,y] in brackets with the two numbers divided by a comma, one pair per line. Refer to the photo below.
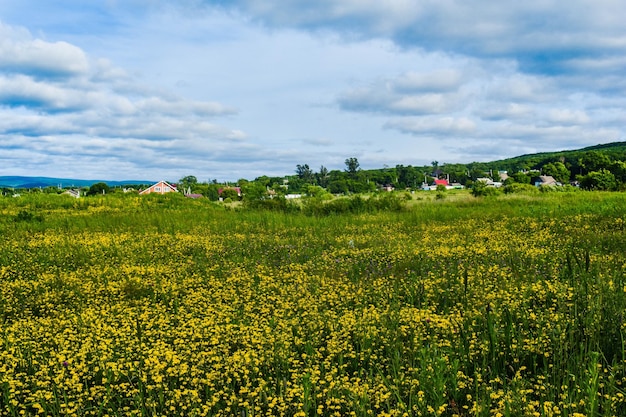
[120,305]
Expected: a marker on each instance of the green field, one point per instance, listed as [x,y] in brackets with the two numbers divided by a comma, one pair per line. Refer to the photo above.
[460,306]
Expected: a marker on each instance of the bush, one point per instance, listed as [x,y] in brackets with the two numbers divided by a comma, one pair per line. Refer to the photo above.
[27,216]
[98,188]
[480,189]
[516,187]
[279,203]
[355,204]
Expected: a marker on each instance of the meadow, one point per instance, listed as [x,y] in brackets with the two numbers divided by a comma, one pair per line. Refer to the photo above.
[128,305]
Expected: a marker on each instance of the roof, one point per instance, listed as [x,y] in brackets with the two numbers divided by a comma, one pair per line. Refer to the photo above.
[238,189]
[441,182]
[546,180]
[160,183]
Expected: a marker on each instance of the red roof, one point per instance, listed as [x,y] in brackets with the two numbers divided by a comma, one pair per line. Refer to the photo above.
[441,182]
[238,189]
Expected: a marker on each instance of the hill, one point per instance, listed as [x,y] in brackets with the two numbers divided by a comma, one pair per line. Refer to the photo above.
[37,182]
[615,151]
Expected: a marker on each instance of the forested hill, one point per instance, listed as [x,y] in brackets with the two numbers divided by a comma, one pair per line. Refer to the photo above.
[615,151]
[43,182]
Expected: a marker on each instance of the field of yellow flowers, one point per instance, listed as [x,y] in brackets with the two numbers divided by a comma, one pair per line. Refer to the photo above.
[116,306]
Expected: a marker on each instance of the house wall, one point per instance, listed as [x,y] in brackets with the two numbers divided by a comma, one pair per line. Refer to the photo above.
[159,188]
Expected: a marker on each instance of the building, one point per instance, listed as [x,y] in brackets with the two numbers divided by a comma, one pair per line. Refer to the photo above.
[161,187]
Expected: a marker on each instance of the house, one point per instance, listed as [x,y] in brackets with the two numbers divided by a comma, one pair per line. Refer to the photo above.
[489,182]
[161,187]
[446,183]
[73,193]
[546,180]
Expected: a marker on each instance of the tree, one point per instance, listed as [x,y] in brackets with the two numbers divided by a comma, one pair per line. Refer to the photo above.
[322,177]
[594,161]
[187,184]
[521,178]
[230,193]
[558,171]
[407,176]
[315,191]
[98,188]
[603,180]
[305,173]
[618,168]
[254,191]
[338,186]
[352,166]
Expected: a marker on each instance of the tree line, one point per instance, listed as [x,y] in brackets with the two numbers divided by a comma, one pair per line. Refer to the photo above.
[597,168]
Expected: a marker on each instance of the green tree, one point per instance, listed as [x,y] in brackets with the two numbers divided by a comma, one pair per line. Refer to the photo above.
[594,161]
[315,191]
[254,191]
[352,166]
[558,171]
[323,177]
[230,193]
[305,173]
[521,178]
[339,186]
[187,183]
[98,188]
[618,168]
[408,176]
[603,180]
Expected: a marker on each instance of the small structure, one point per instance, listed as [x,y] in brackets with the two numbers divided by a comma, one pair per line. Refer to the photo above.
[72,193]
[546,180]
[161,187]
[446,183]
[489,182]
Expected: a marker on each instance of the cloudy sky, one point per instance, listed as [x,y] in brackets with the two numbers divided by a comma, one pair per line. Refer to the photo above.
[158,89]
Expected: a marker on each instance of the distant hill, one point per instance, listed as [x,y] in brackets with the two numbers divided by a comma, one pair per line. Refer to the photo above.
[36,182]
[615,150]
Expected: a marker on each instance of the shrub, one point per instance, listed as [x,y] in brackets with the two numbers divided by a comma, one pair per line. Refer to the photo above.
[480,189]
[27,216]
[515,187]
[279,203]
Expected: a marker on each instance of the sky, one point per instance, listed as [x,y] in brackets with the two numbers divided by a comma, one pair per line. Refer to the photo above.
[162,89]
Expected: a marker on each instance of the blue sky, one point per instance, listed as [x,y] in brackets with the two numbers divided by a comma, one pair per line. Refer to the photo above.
[157,89]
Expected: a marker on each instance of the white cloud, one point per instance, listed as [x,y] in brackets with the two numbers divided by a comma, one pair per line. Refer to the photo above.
[430,126]
[447,79]
[568,117]
[20,53]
